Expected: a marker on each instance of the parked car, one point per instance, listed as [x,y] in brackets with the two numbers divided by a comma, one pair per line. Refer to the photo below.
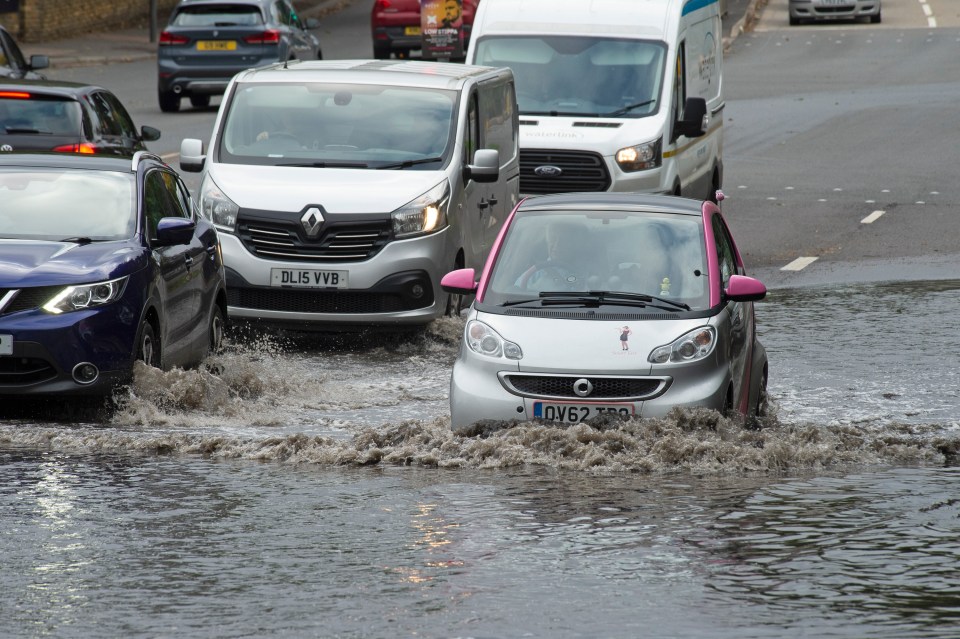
[68,117]
[622,304]
[105,261]
[825,10]
[395,26]
[12,62]
[208,41]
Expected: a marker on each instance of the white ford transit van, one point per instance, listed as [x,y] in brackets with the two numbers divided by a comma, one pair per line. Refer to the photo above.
[344,190]
[614,95]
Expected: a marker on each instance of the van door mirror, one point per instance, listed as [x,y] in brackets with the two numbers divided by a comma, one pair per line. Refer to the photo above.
[191,155]
[485,167]
[694,122]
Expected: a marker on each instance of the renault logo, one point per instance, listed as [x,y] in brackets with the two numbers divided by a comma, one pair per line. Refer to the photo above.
[548,170]
[312,220]
[582,387]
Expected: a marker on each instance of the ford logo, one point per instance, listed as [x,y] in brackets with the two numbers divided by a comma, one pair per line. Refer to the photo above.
[6,148]
[548,170]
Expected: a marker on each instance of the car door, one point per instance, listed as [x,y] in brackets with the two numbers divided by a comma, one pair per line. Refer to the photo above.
[12,62]
[290,24]
[130,138]
[498,131]
[476,214]
[741,313]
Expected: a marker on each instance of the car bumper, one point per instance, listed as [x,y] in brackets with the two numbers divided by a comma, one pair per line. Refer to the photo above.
[400,285]
[204,79]
[817,11]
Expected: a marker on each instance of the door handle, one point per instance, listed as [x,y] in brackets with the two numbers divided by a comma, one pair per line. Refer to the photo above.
[188,260]
[482,204]
[493,201]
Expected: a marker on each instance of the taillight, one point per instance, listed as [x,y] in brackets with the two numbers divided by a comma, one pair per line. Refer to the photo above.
[167,38]
[19,95]
[82,148]
[270,36]
[382,4]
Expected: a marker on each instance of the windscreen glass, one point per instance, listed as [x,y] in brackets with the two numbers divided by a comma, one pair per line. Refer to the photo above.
[57,204]
[580,76]
[339,125]
[242,15]
[31,115]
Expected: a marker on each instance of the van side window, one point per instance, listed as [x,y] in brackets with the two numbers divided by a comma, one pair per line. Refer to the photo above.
[497,115]
[471,140]
[679,87]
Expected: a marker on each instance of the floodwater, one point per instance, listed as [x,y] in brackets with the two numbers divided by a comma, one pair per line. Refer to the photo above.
[310,487]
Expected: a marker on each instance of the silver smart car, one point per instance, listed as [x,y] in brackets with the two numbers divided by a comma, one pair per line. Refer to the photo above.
[608,303]
[819,10]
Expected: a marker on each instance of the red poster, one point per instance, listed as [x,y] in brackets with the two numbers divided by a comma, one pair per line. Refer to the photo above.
[441,28]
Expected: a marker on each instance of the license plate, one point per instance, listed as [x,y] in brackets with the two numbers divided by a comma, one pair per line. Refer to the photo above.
[307,278]
[6,344]
[411,31]
[216,45]
[576,413]
[836,3]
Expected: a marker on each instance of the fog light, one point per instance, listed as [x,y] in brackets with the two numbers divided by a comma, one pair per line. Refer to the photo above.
[417,290]
[85,373]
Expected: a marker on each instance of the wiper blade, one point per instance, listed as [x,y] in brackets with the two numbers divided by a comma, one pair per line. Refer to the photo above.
[23,129]
[408,163]
[611,297]
[628,108]
[328,165]
[573,114]
[82,239]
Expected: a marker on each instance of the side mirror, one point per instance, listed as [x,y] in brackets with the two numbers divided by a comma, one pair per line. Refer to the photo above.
[459,282]
[149,133]
[485,167]
[172,231]
[745,289]
[191,155]
[695,121]
[39,62]
[313,23]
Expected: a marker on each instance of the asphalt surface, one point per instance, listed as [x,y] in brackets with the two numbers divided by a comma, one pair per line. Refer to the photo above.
[133,44]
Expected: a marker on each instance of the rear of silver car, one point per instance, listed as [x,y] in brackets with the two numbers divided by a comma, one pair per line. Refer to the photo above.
[818,10]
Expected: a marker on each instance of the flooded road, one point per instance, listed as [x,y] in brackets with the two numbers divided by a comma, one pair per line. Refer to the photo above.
[311,487]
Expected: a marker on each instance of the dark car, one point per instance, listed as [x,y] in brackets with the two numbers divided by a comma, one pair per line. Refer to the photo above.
[105,261]
[395,26]
[207,42]
[12,62]
[68,117]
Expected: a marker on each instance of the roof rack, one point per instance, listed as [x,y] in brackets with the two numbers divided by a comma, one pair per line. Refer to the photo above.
[139,156]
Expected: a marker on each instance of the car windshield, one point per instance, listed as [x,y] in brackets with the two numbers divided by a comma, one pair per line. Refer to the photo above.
[30,114]
[635,253]
[339,125]
[218,15]
[580,76]
[60,204]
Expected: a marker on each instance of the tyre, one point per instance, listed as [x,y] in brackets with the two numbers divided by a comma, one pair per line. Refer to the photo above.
[763,403]
[381,52]
[794,21]
[169,101]
[454,301]
[218,327]
[148,345]
[200,101]
[319,54]
[875,19]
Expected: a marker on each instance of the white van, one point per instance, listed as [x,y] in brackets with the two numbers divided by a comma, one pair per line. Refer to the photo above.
[614,95]
[344,190]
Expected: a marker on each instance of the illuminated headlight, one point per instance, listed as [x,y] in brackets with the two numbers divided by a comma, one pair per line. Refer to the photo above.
[695,345]
[640,157]
[217,207]
[424,215]
[484,340]
[77,298]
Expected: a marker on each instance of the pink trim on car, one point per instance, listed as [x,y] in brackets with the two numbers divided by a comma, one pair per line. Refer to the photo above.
[709,209]
[494,252]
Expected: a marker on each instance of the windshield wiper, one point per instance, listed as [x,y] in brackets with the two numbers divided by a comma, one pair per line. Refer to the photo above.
[572,114]
[408,163]
[82,239]
[598,298]
[628,108]
[19,129]
[328,165]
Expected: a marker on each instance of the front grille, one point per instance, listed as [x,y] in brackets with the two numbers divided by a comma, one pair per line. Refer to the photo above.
[294,301]
[579,171]
[286,240]
[18,371]
[28,298]
[609,388]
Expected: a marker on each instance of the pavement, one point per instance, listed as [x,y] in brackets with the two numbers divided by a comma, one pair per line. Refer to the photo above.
[133,44]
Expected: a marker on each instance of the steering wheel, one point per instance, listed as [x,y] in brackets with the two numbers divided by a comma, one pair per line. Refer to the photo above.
[555,275]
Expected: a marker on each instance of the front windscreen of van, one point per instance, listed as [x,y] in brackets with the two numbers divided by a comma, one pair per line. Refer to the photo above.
[339,125]
[580,76]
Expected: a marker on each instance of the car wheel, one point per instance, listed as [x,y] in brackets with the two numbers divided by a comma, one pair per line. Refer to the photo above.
[875,19]
[794,21]
[455,300]
[218,326]
[763,403]
[381,52]
[169,101]
[148,345]
[199,101]
[319,54]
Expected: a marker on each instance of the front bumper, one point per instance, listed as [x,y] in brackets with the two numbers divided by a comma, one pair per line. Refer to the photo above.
[813,10]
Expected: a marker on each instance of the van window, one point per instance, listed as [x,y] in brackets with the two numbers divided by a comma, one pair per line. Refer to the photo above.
[497,115]
[579,75]
[339,125]
[679,86]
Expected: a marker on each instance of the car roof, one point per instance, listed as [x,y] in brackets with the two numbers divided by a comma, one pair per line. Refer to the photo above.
[49,87]
[190,3]
[69,161]
[391,72]
[612,202]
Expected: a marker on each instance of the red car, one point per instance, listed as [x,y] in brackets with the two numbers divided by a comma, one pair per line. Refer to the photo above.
[395,26]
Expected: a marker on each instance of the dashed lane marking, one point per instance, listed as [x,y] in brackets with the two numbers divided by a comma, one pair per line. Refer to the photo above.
[873,217]
[799,264]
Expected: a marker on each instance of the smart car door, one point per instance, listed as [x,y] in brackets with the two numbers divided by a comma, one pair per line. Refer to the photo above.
[741,313]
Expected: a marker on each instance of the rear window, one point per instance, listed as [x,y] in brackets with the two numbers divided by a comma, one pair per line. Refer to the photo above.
[219,15]
[42,116]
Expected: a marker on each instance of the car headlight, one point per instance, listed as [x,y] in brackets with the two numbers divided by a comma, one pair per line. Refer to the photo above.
[217,207]
[692,346]
[83,296]
[424,215]
[484,340]
[641,156]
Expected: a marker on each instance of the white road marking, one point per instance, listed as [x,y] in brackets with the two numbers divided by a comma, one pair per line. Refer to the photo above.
[873,217]
[927,11]
[799,264]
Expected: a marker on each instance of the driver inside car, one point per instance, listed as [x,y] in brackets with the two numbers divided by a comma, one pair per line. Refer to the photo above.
[565,267]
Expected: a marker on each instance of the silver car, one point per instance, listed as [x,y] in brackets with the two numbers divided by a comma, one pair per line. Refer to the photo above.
[818,10]
[608,304]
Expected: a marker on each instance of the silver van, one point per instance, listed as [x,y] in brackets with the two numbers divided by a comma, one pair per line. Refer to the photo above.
[344,190]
